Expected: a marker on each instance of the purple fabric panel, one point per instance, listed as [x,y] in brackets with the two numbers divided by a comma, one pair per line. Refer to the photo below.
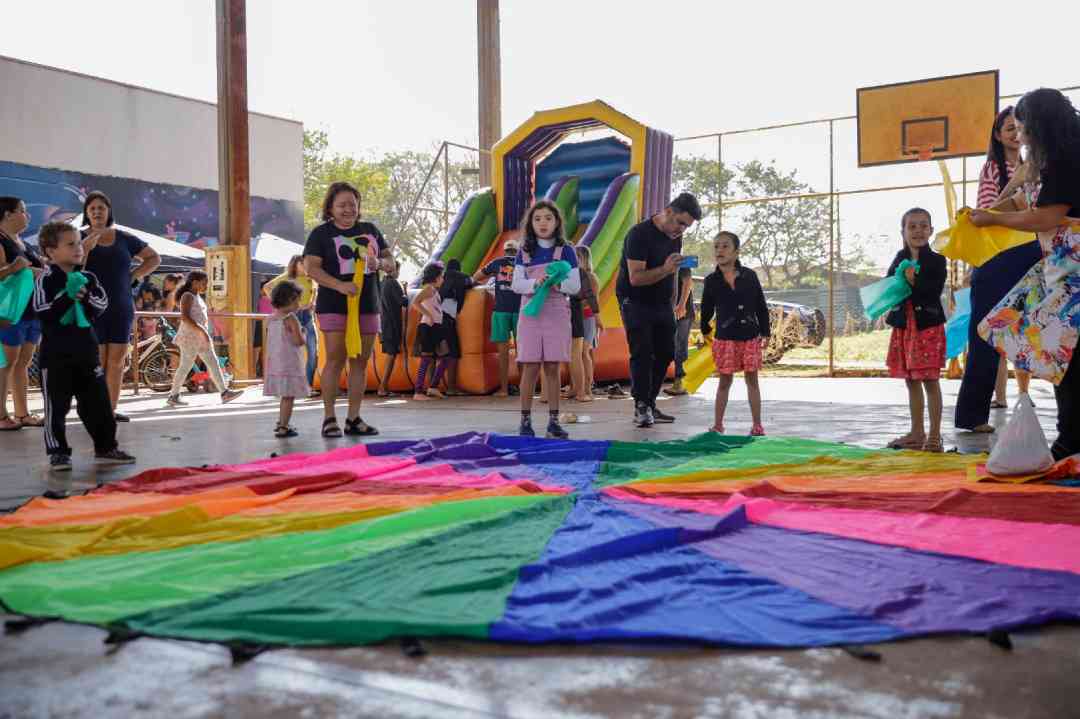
[517,177]
[556,188]
[919,592]
[604,209]
[658,159]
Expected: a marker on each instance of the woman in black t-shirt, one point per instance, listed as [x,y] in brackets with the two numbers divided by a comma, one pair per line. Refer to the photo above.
[330,260]
[110,253]
[20,339]
[1037,325]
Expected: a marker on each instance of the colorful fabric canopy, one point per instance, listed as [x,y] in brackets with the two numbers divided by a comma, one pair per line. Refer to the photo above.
[728,540]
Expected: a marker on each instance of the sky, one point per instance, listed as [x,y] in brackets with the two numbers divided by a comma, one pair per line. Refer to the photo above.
[390,75]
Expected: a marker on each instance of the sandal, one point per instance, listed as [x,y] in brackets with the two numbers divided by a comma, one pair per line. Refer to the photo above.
[8,424]
[283,431]
[30,420]
[718,429]
[352,428]
[330,428]
[933,444]
[906,442]
[998,405]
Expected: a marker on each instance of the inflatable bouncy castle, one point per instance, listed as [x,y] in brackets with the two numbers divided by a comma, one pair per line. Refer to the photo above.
[603,188]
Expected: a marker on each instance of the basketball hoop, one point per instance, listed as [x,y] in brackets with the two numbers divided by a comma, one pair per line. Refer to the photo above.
[925,152]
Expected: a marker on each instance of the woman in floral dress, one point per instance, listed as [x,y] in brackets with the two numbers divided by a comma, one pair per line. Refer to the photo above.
[1036,326]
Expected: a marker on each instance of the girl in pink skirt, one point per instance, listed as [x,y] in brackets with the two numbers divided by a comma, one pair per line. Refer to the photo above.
[917,344]
[543,340]
[286,374]
[734,294]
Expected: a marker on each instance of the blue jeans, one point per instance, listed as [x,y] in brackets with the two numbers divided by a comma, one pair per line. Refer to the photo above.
[682,342]
[311,340]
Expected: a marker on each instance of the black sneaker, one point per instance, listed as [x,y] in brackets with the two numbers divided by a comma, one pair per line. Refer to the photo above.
[526,428]
[643,416]
[121,417]
[60,462]
[659,416]
[555,431]
[114,456]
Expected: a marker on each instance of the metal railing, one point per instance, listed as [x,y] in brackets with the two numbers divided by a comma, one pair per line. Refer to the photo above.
[136,350]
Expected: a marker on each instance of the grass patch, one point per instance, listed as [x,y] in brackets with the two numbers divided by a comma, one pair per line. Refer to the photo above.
[866,347]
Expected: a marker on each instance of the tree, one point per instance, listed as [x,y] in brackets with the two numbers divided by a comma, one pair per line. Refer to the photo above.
[789,239]
[708,182]
[389,186]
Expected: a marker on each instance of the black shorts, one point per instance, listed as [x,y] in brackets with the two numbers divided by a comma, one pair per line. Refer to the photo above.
[449,333]
[114,326]
[429,337]
[390,336]
[577,318]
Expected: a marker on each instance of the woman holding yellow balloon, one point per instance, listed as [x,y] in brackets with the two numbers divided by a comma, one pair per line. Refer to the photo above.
[343,256]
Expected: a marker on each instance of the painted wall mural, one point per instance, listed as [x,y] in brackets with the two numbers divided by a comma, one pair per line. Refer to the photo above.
[184,214]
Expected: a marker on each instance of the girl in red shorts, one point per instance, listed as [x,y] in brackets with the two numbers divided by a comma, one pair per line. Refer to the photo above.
[917,345]
[734,294]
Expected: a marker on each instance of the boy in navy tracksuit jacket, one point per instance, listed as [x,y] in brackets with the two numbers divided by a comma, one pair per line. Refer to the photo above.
[69,360]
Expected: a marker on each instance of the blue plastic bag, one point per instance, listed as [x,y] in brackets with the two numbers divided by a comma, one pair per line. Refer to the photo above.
[956,329]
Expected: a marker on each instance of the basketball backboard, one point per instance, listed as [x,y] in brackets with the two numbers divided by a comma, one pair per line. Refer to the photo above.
[937,119]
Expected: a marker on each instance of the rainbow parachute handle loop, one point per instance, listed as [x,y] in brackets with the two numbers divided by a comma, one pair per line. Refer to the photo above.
[883,295]
[556,273]
[15,291]
[353,344]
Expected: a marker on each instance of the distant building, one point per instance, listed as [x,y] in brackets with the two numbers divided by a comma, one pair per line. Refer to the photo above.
[154,155]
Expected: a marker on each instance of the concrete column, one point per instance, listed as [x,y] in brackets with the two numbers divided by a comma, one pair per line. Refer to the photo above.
[489,64]
[234,187]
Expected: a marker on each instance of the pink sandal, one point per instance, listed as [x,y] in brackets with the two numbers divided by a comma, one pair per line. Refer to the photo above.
[757,431]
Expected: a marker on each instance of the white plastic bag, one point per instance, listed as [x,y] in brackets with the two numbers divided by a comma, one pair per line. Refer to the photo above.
[1021,447]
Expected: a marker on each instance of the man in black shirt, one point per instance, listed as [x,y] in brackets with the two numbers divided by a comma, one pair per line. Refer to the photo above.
[646,290]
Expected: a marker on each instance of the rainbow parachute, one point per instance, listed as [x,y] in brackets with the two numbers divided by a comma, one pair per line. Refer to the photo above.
[755,542]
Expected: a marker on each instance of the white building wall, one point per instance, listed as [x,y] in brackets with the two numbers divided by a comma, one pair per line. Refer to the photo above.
[59,119]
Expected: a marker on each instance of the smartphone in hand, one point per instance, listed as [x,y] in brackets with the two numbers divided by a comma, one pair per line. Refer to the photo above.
[690,261]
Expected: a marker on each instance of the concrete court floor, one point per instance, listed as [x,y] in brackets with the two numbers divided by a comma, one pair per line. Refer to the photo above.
[64,670]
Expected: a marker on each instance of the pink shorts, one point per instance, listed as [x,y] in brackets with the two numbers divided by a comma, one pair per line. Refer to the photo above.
[731,356]
[332,322]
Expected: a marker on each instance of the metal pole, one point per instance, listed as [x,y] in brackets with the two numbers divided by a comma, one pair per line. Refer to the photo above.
[135,358]
[720,181]
[446,186]
[832,260]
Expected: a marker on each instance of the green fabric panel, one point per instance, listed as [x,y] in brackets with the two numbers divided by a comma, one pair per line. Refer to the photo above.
[481,242]
[104,589]
[606,269]
[454,584]
[630,461]
[567,202]
[609,240]
[481,206]
[15,293]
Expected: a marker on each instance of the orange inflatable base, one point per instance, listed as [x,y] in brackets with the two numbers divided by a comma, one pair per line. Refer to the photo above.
[478,368]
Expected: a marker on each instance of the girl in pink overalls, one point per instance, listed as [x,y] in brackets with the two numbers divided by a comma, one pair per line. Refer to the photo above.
[543,340]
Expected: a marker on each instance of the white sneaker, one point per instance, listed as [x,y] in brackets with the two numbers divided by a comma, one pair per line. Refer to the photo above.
[175,401]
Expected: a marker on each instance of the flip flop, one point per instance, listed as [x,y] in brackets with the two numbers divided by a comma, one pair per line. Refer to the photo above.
[30,420]
[10,426]
[906,442]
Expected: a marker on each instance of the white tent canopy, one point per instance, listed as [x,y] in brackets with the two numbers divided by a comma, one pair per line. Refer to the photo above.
[161,245]
[276,250]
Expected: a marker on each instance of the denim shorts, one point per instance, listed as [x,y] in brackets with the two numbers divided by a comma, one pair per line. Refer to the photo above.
[26,331]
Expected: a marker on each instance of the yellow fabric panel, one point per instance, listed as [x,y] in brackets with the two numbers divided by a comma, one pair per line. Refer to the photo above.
[353,344]
[977,245]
